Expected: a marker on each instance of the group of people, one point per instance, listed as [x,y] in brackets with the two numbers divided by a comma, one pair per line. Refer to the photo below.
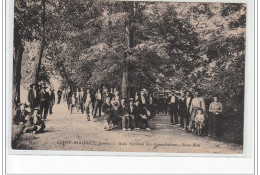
[40,104]
[118,112]
[186,110]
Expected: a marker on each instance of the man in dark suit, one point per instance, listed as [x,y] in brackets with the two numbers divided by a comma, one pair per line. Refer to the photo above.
[44,102]
[183,112]
[141,114]
[173,105]
[32,96]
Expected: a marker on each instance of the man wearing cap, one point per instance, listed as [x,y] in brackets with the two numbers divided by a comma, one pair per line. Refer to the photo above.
[44,102]
[173,105]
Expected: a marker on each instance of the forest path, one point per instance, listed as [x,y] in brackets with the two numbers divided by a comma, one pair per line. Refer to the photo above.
[65,131]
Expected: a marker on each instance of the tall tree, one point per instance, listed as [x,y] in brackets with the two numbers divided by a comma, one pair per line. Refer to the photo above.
[42,41]
[130,41]
[25,27]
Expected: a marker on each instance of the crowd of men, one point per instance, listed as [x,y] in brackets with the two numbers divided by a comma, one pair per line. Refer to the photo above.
[40,104]
[184,109]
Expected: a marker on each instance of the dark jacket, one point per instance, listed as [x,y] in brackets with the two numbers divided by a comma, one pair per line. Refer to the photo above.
[45,98]
[123,111]
[107,108]
[182,106]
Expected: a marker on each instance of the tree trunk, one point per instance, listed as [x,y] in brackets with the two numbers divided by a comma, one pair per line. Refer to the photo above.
[129,38]
[17,62]
[38,67]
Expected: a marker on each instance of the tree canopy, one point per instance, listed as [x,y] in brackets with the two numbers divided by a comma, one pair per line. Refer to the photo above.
[175,45]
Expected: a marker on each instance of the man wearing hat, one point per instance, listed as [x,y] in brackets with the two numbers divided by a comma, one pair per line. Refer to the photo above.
[44,102]
[173,105]
[32,96]
[34,122]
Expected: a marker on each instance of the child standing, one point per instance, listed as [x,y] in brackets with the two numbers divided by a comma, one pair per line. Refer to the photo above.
[199,121]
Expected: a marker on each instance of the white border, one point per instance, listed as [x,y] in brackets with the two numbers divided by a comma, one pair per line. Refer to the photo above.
[120,164]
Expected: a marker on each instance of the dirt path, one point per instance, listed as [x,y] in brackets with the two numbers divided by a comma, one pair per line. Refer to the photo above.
[66,131]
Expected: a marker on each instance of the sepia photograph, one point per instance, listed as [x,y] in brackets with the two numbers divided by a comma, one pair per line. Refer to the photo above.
[128,76]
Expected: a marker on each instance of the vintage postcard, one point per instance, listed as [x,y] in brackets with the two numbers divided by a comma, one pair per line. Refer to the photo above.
[128,76]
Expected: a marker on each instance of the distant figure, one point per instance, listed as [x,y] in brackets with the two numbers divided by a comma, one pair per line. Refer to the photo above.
[59,93]
[136,96]
[52,100]
[65,94]
[44,102]
[105,94]
[215,121]
[72,102]
[116,98]
[99,102]
[152,105]
[80,96]
[143,99]
[69,95]
[87,103]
